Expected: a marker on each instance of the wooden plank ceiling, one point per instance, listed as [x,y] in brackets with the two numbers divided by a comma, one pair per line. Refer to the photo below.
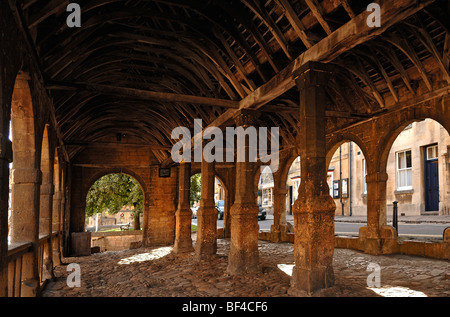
[143,67]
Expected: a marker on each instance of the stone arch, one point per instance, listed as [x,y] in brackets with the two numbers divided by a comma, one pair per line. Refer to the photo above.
[217,174]
[46,201]
[355,197]
[47,185]
[267,169]
[99,174]
[227,202]
[23,125]
[57,209]
[284,178]
[337,140]
[417,195]
[395,126]
[26,179]
[286,167]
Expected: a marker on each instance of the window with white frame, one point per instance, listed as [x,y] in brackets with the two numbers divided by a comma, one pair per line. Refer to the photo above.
[404,170]
[364,166]
[432,152]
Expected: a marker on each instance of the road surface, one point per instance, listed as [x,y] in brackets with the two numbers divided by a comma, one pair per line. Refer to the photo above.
[424,230]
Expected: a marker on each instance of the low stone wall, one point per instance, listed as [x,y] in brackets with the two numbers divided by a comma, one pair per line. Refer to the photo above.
[123,240]
[391,244]
[116,240]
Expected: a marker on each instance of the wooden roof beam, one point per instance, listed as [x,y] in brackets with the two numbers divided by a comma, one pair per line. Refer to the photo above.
[145,94]
[353,33]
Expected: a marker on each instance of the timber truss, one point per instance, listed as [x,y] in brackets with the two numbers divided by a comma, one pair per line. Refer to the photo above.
[141,68]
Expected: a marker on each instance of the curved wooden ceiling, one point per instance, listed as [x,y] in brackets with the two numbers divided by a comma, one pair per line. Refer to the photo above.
[216,49]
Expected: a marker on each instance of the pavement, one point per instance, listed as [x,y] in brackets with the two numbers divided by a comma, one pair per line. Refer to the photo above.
[401,219]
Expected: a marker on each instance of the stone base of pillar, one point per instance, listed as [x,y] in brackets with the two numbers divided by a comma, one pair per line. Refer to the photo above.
[314,245]
[206,244]
[244,254]
[275,233]
[311,280]
[385,243]
[183,240]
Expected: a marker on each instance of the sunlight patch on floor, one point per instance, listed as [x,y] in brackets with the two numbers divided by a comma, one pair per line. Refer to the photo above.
[397,291]
[148,256]
[286,268]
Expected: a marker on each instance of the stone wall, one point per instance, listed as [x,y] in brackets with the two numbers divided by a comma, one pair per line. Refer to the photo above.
[116,240]
[160,193]
[429,249]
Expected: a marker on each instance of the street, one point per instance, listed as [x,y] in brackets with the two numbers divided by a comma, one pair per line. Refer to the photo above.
[418,230]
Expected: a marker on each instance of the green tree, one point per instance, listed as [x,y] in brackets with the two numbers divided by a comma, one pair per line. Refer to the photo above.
[113,191]
[195,188]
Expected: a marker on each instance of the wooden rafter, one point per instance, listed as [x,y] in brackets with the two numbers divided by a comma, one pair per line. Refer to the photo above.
[317,10]
[296,23]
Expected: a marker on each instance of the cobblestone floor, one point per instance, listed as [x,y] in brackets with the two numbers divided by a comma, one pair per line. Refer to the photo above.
[158,272]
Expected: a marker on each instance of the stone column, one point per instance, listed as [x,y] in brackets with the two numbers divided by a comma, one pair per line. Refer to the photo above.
[228,203]
[45,225]
[279,212]
[25,223]
[314,208]
[376,212]
[183,240]
[56,226]
[244,256]
[206,244]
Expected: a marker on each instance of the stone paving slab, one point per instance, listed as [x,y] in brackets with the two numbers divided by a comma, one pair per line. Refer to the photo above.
[156,272]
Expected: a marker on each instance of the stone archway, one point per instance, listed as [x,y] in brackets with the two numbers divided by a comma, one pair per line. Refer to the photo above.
[127,172]
[26,179]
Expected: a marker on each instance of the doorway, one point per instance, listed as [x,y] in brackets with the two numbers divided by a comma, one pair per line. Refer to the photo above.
[431,178]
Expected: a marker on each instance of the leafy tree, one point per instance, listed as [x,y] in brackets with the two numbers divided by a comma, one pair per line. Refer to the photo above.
[113,191]
[195,188]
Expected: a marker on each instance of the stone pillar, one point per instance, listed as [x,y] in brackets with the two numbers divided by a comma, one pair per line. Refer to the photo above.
[279,209]
[25,223]
[228,203]
[206,244]
[244,256]
[376,212]
[314,208]
[56,226]
[183,240]
[45,225]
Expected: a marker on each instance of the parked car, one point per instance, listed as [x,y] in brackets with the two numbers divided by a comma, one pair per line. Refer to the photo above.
[262,213]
